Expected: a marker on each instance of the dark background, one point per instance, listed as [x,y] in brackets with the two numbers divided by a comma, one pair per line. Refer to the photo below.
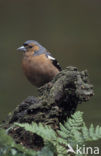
[71,30]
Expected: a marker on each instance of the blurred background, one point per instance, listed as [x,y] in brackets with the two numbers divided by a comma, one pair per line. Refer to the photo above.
[71,30]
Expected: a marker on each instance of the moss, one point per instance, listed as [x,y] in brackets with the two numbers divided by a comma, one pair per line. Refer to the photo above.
[57,100]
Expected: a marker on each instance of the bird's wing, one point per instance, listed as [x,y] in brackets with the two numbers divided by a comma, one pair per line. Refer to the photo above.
[54,61]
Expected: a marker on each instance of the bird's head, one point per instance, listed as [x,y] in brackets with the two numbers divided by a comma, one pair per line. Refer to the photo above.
[30,46]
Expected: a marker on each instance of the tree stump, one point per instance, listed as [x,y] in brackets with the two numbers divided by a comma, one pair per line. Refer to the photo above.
[57,100]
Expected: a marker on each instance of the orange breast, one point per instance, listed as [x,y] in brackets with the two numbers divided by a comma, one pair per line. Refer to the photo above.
[39,69]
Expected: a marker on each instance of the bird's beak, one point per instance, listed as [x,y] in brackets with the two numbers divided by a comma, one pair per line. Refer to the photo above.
[22,48]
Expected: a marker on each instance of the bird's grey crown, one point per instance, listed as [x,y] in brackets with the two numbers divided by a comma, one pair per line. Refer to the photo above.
[31,41]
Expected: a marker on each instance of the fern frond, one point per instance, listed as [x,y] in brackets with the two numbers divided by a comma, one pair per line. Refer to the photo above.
[73,132]
[76,121]
[44,131]
[91,134]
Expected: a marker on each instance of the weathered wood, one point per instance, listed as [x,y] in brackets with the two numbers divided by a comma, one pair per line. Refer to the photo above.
[57,100]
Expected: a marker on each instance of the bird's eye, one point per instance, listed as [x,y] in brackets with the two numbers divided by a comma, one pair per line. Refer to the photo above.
[25,44]
[30,46]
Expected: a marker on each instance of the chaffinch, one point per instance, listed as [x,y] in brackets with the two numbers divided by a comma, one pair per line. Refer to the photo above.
[38,64]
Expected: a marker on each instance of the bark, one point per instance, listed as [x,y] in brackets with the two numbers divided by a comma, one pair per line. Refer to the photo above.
[57,100]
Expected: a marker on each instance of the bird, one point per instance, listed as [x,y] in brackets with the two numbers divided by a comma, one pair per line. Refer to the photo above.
[39,66]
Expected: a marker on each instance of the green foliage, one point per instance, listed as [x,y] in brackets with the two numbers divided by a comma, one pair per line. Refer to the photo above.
[9,148]
[74,131]
[45,152]
[45,132]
